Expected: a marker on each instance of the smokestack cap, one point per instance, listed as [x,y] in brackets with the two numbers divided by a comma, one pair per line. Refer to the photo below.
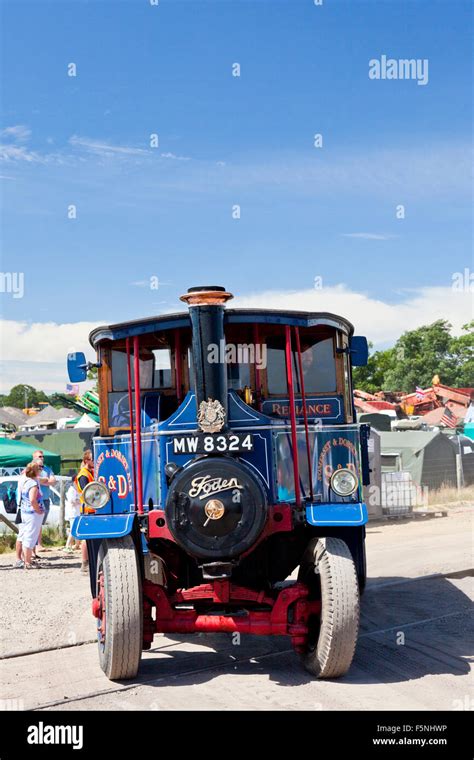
[204,295]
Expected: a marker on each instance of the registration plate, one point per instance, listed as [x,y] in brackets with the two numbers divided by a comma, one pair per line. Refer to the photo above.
[232,443]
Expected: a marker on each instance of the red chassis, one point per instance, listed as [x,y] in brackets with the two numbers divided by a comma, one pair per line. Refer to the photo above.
[286,612]
[276,620]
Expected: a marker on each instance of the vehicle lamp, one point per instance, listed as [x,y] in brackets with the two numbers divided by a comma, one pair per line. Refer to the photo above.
[171,468]
[344,482]
[96,495]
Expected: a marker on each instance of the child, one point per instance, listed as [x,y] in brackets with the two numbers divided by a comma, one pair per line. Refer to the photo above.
[72,510]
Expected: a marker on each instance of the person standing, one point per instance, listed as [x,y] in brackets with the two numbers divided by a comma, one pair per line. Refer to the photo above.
[32,513]
[46,480]
[83,477]
[73,510]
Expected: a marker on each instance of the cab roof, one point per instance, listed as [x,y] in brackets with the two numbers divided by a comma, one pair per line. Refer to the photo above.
[231,316]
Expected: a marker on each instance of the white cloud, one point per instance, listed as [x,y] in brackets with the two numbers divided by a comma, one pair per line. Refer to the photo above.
[18,132]
[175,157]
[36,353]
[105,148]
[367,236]
[381,322]
[439,168]
[40,341]
[19,153]
[11,151]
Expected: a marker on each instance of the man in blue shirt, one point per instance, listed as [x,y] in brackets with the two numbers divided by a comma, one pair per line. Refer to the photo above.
[46,479]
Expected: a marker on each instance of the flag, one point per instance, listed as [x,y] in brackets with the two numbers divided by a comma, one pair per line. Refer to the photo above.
[72,390]
[448,418]
[420,393]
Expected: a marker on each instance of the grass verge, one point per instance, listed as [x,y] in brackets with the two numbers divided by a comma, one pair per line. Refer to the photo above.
[451,496]
[50,537]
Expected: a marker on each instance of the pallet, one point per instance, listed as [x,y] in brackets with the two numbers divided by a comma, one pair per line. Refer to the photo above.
[417,514]
[397,515]
[427,514]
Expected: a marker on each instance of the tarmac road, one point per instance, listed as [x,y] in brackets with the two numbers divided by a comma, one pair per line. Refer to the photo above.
[414,649]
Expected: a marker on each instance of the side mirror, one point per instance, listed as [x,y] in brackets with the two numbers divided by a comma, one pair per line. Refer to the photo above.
[77,367]
[359,351]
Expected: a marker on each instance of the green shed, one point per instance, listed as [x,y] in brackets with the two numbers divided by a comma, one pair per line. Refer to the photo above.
[428,456]
[68,444]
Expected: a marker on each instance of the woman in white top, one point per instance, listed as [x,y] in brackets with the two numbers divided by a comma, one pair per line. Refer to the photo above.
[32,512]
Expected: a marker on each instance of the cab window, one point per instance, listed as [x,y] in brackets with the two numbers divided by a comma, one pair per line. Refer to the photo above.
[155,369]
[318,363]
[238,375]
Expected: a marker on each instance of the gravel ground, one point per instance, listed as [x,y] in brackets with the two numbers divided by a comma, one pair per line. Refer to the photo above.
[44,607]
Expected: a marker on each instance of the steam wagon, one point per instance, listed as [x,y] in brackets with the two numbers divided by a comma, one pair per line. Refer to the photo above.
[228,481]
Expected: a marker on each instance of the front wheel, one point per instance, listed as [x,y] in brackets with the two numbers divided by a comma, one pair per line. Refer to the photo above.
[120,625]
[327,568]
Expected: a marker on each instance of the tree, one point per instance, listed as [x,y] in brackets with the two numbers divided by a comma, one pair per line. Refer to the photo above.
[462,352]
[371,377]
[23,392]
[431,350]
[417,356]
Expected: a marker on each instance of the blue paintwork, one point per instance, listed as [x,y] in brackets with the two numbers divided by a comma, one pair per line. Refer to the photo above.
[337,514]
[271,460]
[331,448]
[119,331]
[113,466]
[359,350]
[102,526]
[119,416]
[316,408]
[77,367]
[184,418]
[240,416]
[294,319]
[336,449]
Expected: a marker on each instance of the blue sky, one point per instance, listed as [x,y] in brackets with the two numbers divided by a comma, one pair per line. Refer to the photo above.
[224,140]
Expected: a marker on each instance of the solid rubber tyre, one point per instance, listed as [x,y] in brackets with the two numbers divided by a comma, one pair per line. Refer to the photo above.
[120,653]
[327,567]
